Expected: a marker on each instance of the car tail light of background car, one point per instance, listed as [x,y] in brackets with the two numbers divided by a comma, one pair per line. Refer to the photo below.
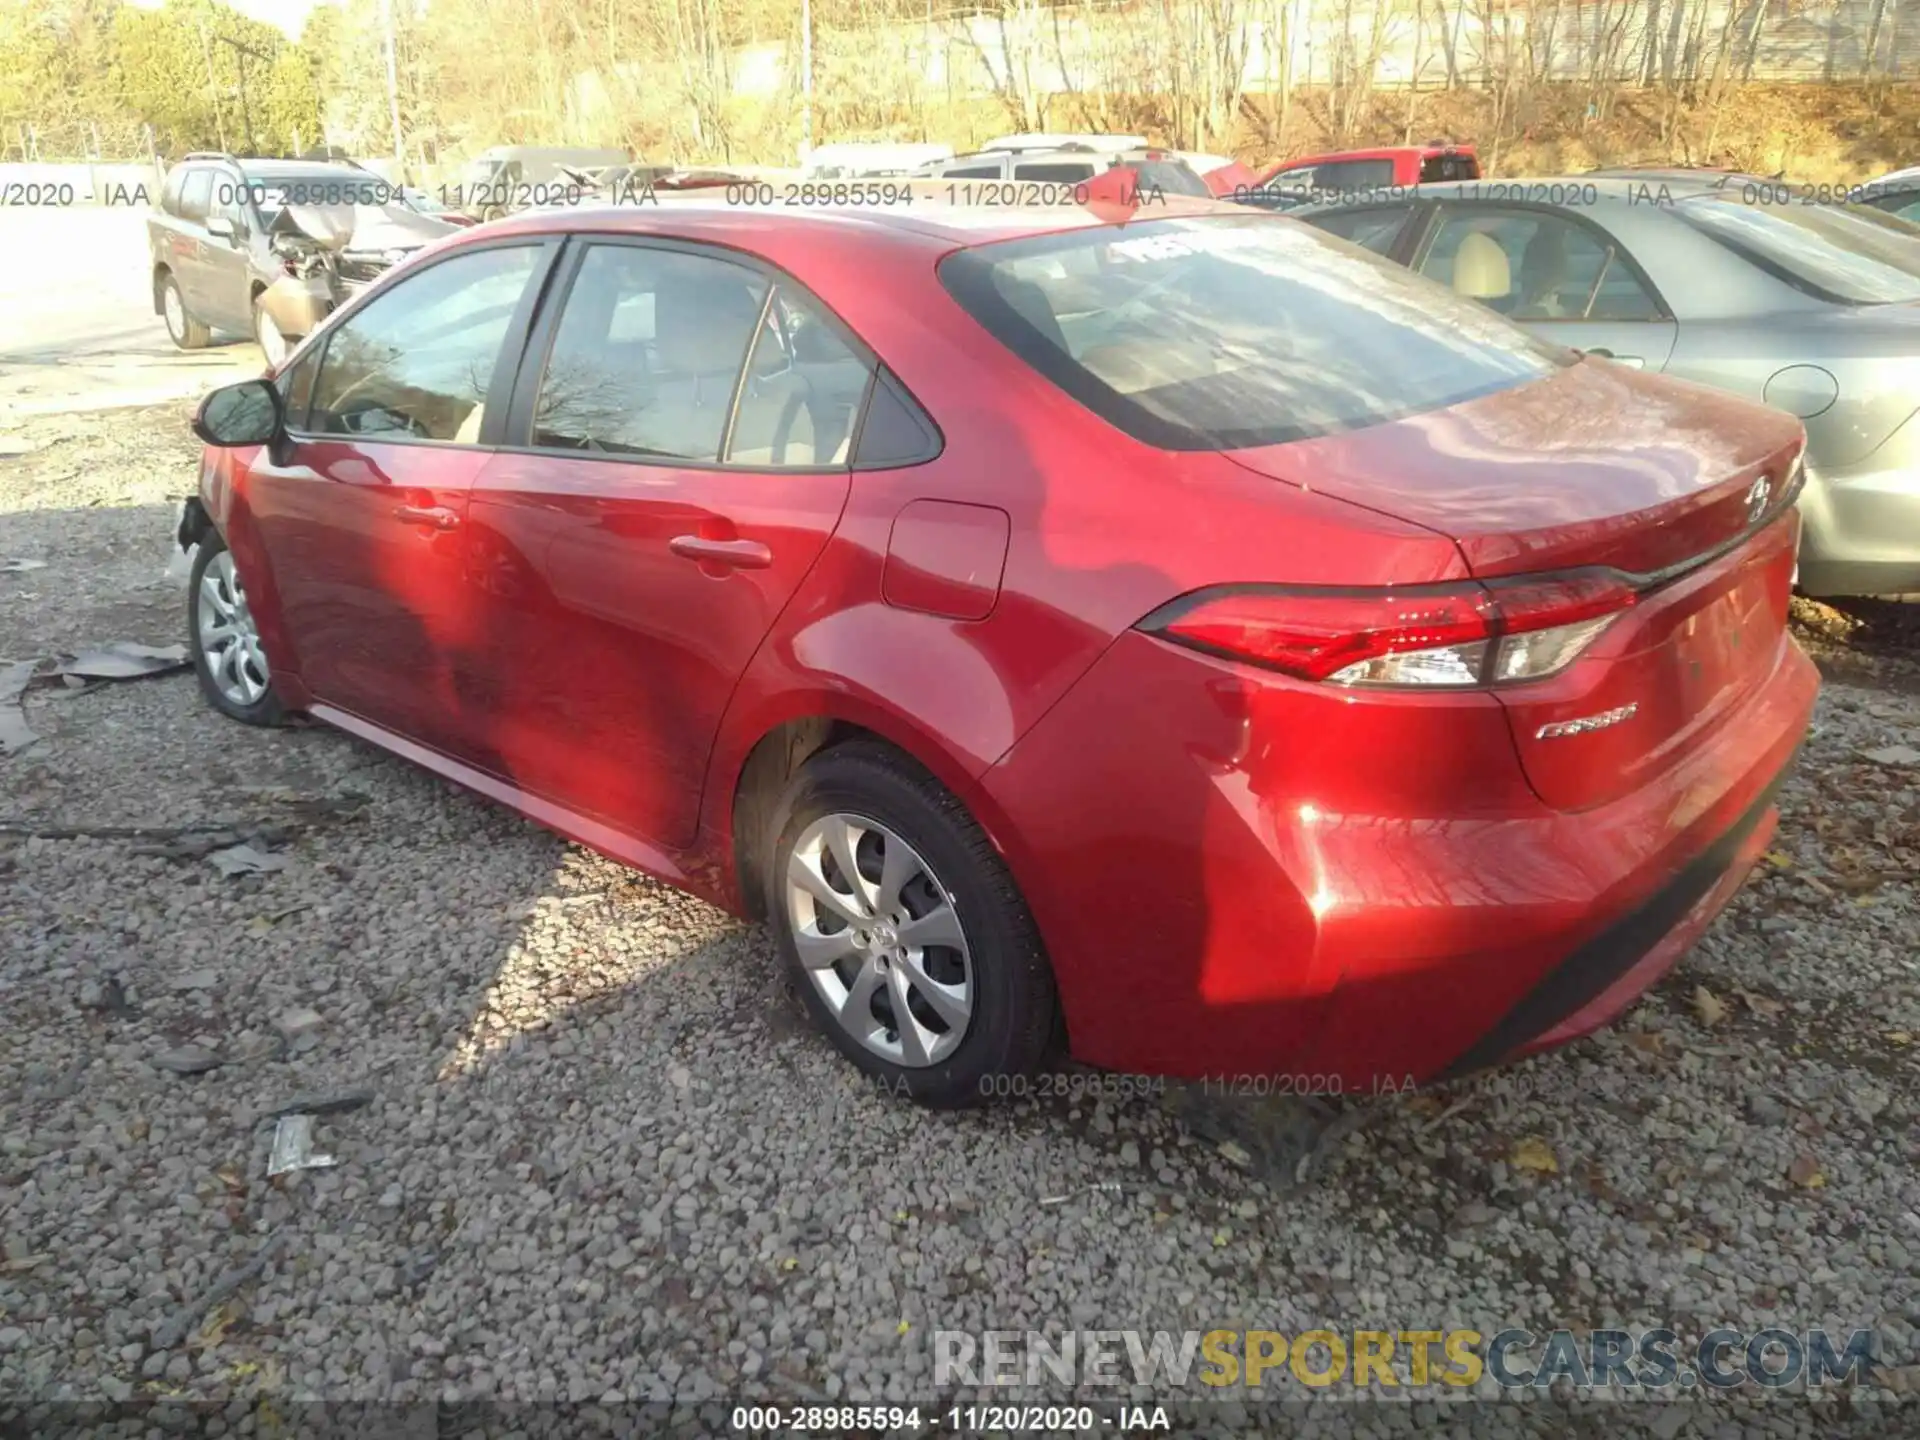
[1498,633]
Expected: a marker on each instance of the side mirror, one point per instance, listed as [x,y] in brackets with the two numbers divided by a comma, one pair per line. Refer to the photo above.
[247,413]
[220,226]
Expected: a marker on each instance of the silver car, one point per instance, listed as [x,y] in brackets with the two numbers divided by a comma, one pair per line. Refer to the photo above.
[1733,281]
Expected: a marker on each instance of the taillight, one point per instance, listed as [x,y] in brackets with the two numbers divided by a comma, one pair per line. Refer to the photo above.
[1498,633]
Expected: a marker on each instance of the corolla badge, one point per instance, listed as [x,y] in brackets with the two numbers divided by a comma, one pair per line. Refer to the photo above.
[1758,494]
[1587,723]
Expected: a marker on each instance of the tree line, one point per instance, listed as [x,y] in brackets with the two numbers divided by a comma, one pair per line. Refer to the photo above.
[722,80]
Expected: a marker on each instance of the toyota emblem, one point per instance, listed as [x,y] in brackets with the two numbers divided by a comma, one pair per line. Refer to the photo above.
[1758,494]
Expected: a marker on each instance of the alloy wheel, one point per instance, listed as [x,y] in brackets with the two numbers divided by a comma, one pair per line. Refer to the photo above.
[880,939]
[227,636]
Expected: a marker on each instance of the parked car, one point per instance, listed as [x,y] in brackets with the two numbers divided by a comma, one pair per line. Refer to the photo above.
[1897,194]
[269,247]
[506,178]
[1319,178]
[1060,140]
[1122,170]
[854,161]
[1731,282]
[1182,632]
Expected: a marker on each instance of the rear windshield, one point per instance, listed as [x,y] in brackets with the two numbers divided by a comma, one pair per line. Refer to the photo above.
[1448,167]
[1220,333]
[1170,177]
[1849,254]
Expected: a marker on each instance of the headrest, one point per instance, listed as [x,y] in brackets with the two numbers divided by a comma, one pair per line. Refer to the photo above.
[1480,269]
[704,329]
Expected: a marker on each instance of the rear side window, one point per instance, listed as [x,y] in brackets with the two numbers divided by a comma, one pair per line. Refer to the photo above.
[802,393]
[1067,171]
[1530,265]
[416,362]
[973,172]
[1222,332]
[1374,229]
[649,350]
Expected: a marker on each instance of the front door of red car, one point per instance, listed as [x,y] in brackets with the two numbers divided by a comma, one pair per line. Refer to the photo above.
[680,462]
[361,511]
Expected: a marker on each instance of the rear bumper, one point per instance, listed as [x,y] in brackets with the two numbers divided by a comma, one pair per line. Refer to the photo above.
[1603,977]
[1236,874]
[1862,533]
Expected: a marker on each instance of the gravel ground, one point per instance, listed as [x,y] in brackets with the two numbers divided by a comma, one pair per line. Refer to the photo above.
[604,1156]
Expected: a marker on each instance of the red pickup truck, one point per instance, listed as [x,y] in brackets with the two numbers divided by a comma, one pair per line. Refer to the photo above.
[1321,177]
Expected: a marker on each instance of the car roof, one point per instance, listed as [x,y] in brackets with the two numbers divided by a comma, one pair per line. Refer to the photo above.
[1908,176]
[925,222]
[1380,152]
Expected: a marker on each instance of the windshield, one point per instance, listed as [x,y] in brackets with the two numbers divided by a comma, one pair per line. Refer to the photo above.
[1220,333]
[1849,254]
[272,192]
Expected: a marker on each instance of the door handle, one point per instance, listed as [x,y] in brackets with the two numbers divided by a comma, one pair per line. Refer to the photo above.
[739,554]
[1634,362]
[438,516]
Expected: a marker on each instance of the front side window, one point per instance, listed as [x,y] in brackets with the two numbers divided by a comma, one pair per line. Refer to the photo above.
[416,362]
[1531,265]
[1216,333]
[649,350]
[1849,254]
[196,194]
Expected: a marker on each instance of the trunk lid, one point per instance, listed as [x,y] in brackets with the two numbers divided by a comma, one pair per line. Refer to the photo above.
[1599,465]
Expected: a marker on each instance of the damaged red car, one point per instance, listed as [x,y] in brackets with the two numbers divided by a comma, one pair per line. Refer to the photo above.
[1182,639]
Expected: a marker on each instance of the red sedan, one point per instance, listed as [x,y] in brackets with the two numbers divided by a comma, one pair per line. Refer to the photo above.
[1188,637]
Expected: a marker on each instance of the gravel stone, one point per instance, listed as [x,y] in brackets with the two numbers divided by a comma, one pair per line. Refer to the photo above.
[587,1146]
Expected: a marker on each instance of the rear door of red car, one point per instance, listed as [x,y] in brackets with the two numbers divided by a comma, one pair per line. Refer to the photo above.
[360,511]
[677,461]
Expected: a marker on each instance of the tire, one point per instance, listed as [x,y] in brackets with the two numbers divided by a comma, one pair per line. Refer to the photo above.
[955,885]
[186,332]
[234,678]
[266,334]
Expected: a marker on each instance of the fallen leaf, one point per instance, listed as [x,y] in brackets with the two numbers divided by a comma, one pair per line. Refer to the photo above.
[1220,1239]
[1708,1006]
[1534,1154]
[1651,1041]
[899,1217]
[1760,1004]
[229,1175]
[1779,860]
[1899,1037]
[903,1327]
[215,1327]
[1805,1172]
[790,1263]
